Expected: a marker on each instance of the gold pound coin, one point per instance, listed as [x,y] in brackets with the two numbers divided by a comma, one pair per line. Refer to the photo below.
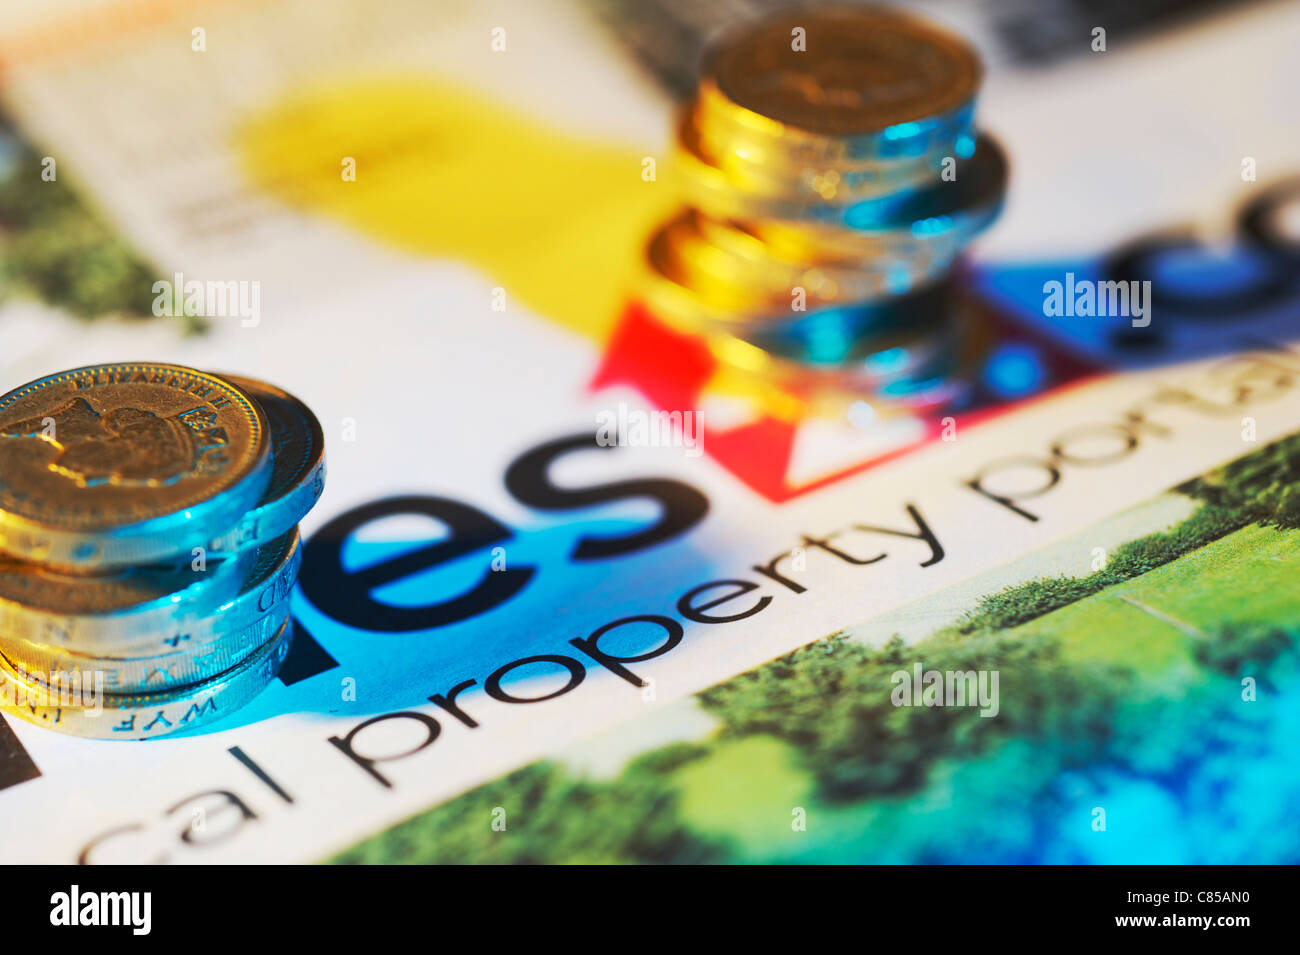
[708,252]
[84,708]
[933,371]
[145,611]
[52,606]
[719,274]
[839,82]
[766,172]
[194,661]
[969,198]
[132,463]
[770,240]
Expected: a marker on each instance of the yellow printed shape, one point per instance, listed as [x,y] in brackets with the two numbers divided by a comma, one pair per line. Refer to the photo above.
[558,222]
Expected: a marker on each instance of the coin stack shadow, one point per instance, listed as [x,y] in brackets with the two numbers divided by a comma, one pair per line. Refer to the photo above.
[94,646]
[832,174]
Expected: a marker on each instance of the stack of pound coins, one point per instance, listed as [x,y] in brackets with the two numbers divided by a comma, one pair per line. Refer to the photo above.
[832,173]
[148,545]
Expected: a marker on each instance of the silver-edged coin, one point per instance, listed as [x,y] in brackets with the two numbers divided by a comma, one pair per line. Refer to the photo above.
[145,611]
[961,206]
[92,712]
[192,663]
[297,468]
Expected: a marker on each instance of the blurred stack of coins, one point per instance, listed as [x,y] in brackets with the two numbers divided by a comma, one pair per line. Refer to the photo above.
[148,545]
[832,173]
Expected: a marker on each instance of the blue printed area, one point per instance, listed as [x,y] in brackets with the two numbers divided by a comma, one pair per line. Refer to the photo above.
[1014,370]
[1236,795]
[1018,288]
[1209,778]
[1205,303]
[1206,272]
[564,599]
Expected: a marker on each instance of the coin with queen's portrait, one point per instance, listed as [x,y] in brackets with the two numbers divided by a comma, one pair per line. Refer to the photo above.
[126,464]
